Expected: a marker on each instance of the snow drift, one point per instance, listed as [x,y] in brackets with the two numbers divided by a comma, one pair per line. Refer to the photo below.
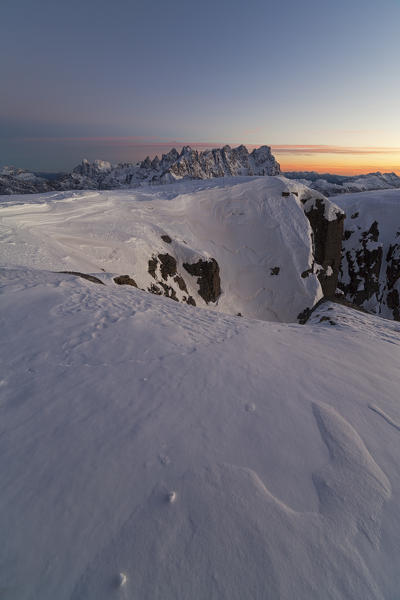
[278,442]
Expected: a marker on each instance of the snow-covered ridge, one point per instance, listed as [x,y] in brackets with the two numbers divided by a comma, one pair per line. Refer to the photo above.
[264,247]
[21,181]
[332,185]
[173,166]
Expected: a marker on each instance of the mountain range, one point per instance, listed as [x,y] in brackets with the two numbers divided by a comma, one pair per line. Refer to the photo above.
[188,164]
[173,166]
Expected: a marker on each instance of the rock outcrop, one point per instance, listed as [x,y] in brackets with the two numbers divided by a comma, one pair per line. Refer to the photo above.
[327,233]
[163,269]
[370,267]
[208,279]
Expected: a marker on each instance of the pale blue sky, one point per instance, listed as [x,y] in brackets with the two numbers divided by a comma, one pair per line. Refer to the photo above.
[287,72]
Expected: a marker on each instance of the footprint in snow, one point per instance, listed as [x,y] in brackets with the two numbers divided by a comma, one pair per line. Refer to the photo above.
[121,580]
[171,497]
[164,459]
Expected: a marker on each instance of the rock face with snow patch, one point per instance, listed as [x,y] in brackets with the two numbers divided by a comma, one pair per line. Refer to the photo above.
[370,269]
[221,162]
[327,226]
[188,164]
[208,279]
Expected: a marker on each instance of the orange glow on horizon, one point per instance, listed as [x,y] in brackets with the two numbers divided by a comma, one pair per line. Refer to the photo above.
[337,159]
[323,158]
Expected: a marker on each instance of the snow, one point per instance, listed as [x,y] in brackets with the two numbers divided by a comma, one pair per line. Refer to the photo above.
[331,185]
[177,452]
[244,223]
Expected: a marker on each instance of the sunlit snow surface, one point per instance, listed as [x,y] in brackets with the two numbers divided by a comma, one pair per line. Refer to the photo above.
[153,450]
[244,223]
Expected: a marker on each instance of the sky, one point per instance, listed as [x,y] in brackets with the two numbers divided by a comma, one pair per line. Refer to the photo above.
[317,80]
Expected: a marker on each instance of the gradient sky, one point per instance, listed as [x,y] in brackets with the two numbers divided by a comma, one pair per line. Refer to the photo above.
[119,80]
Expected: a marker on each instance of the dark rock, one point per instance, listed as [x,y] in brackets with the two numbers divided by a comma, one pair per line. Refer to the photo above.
[190,300]
[153,262]
[327,245]
[393,265]
[166,239]
[153,289]
[169,291]
[393,302]
[372,233]
[307,273]
[307,312]
[207,273]
[304,315]
[275,270]
[363,265]
[91,278]
[285,194]
[392,277]
[125,280]
[181,282]
[354,215]
[168,265]
[347,234]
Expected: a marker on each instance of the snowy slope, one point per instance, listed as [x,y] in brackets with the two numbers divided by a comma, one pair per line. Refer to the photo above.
[155,450]
[279,442]
[253,230]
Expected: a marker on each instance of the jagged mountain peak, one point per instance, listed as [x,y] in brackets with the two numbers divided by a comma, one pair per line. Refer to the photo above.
[172,166]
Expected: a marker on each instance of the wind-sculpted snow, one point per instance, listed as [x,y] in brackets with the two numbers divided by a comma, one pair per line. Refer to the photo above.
[153,450]
[261,247]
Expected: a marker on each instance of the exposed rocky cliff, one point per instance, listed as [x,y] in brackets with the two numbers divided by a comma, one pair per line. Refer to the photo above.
[370,269]
[327,226]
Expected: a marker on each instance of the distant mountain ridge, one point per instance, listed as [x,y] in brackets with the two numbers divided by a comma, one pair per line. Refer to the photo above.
[187,164]
[331,185]
[171,167]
